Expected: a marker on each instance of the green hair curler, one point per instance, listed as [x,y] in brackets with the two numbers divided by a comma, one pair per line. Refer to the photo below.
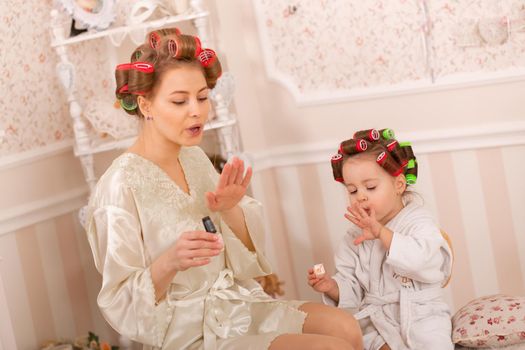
[411,179]
[128,106]
[387,134]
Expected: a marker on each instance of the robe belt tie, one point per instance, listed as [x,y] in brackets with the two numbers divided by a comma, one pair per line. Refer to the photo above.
[225,310]
[373,304]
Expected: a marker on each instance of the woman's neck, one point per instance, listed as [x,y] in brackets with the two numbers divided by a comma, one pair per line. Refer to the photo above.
[160,151]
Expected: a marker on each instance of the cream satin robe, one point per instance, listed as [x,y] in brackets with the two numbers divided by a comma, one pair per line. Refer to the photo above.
[135,214]
[398,293]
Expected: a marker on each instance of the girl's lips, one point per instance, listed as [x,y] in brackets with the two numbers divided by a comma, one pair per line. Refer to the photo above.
[367,210]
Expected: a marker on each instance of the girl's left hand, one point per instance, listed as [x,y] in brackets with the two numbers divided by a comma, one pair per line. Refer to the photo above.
[366,221]
[231,187]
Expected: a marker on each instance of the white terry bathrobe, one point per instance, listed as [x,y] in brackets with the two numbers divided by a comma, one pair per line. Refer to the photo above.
[399,292]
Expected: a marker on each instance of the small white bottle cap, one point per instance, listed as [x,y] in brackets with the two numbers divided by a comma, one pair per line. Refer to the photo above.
[319,270]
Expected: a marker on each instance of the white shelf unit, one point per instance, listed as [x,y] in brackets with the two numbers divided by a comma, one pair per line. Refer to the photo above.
[163,22]
[85,147]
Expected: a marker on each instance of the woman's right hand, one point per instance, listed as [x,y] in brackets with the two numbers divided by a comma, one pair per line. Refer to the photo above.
[322,284]
[194,248]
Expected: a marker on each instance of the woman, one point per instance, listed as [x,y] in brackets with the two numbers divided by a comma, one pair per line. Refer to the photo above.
[166,282]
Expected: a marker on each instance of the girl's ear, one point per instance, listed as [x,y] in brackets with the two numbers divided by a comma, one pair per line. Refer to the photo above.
[144,105]
[400,184]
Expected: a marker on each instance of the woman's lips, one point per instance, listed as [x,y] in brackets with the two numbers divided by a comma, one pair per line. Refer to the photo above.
[195,130]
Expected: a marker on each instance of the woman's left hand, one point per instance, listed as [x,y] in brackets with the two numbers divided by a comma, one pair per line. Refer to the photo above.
[231,187]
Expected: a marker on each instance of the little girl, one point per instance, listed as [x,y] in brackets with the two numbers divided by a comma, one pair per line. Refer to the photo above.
[394,260]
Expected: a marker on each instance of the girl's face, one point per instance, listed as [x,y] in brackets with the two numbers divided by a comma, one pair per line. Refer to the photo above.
[179,107]
[372,187]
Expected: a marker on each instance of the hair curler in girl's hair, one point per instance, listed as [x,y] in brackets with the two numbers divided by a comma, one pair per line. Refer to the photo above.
[389,164]
[387,134]
[337,167]
[411,175]
[353,146]
[370,135]
[411,168]
[407,149]
[395,157]
[396,151]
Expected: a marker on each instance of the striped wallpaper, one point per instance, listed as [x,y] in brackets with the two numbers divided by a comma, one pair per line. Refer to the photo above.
[476,195]
[51,283]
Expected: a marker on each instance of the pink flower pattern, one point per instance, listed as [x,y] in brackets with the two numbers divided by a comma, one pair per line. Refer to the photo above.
[490,321]
[34,106]
[340,45]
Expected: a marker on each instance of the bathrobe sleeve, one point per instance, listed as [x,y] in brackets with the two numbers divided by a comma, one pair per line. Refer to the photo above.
[347,264]
[244,263]
[419,251]
[127,296]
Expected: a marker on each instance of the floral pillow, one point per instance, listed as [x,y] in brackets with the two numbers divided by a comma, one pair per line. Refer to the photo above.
[496,320]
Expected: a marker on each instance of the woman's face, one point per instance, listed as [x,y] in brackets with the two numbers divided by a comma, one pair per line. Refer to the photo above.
[179,107]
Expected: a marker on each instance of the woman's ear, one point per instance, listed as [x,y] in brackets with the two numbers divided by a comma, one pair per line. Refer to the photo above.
[400,184]
[144,105]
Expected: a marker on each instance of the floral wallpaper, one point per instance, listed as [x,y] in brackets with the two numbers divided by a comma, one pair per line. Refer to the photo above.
[340,45]
[321,45]
[34,112]
[477,36]
[34,105]
[325,45]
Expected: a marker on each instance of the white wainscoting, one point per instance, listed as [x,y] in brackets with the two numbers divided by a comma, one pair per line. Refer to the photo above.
[425,141]
[7,337]
[41,210]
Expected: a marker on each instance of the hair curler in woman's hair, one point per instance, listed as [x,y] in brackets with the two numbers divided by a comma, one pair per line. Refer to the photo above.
[353,146]
[198,45]
[387,134]
[370,135]
[337,167]
[163,49]
[129,103]
[155,37]
[154,40]
[181,46]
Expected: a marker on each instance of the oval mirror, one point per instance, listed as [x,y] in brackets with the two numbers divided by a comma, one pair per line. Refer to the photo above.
[93,14]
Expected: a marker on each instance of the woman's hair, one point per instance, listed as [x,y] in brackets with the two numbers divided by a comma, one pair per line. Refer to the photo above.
[395,157]
[163,50]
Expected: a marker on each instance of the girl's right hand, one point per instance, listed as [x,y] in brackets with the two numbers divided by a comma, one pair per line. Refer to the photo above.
[194,248]
[322,284]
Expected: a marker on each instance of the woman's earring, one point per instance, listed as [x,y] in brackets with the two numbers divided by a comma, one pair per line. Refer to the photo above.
[149,118]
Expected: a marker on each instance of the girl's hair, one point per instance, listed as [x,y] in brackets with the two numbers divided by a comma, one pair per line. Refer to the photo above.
[395,157]
[163,50]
